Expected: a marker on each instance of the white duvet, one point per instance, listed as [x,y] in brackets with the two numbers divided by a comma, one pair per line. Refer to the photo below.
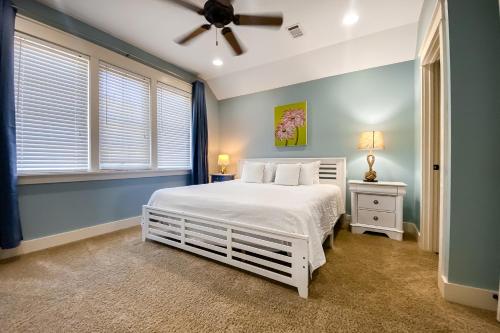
[306,209]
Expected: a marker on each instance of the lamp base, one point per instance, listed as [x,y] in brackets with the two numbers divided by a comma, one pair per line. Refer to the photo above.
[370,176]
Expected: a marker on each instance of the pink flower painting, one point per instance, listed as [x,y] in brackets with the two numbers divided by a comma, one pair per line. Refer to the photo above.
[294,117]
[291,124]
[284,131]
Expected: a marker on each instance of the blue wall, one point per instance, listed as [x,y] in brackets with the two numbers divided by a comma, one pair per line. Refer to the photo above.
[48,209]
[339,108]
[53,208]
[474,231]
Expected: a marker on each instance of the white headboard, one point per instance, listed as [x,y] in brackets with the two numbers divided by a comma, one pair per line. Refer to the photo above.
[331,171]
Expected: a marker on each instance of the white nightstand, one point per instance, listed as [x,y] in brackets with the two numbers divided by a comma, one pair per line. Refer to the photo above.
[377,207]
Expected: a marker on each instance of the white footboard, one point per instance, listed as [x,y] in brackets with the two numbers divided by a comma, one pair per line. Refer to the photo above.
[276,255]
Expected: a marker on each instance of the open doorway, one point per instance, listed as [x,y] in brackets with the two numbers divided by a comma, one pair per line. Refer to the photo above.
[435,143]
[432,116]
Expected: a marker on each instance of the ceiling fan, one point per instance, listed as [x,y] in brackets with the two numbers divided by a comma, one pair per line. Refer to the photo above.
[220,13]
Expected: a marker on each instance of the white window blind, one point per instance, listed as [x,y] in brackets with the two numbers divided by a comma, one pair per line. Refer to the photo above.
[124,125]
[174,127]
[51,97]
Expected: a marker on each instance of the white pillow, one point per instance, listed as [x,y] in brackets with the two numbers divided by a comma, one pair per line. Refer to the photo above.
[253,172]
[269,172]
[309,173]
[287,174]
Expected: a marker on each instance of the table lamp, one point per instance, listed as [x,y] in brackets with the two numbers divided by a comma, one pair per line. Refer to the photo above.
[223,162]
[371,140]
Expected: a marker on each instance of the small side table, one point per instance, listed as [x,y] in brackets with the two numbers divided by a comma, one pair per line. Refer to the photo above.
[221,177]
[377,207]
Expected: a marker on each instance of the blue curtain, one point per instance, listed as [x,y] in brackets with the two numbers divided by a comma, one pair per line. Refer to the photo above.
[200,135]
[10,226]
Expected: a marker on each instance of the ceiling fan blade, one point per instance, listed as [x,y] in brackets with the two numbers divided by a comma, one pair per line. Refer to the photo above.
[195,33]
[265,20]
[188,5]
[231,39]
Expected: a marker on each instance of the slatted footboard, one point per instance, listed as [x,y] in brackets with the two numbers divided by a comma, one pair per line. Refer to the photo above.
[276,255]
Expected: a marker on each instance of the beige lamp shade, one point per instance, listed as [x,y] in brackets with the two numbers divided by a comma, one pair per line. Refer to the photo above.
[223,160]
[371,140]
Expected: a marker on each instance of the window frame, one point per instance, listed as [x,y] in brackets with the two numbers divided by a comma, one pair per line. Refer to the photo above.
[104,66]
[47,44]
[159,83]
[31,28]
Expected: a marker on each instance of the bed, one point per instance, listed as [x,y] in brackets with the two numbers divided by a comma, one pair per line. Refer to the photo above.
[271,230]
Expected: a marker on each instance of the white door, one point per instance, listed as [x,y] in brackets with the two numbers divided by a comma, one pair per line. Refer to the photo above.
[436,154]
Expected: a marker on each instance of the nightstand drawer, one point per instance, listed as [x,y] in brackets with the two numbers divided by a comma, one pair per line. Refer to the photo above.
[372,217]
[381,202]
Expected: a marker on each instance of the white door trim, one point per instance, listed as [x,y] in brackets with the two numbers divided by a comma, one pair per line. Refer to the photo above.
[429,53]
[434,49]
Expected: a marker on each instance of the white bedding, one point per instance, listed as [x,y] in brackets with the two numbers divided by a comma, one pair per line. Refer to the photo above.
[305,209]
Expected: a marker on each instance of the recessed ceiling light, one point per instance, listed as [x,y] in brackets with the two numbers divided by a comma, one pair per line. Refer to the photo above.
[217,62]
[350,18]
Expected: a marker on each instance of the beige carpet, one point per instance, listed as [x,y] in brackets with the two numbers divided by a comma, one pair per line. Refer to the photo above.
[117,283]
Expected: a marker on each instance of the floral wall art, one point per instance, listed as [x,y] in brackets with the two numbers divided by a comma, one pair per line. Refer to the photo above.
[290,125]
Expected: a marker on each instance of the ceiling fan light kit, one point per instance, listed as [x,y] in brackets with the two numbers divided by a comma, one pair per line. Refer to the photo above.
[220,13]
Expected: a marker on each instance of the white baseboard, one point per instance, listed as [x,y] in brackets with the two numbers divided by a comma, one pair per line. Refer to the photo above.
[69,237]
[411,228]
[345,221]
[470,296]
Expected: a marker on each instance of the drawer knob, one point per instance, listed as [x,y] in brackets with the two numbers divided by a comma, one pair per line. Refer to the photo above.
[375,218]
[375,202]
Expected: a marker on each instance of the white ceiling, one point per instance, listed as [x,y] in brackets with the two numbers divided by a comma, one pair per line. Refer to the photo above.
[152,25]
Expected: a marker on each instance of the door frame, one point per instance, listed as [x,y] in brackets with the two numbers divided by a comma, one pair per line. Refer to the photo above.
[432,50]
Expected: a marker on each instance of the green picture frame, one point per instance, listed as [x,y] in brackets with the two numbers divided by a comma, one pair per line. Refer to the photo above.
[290,125]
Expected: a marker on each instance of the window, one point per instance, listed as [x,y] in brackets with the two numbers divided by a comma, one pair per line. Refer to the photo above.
[174,127]
[84,112]
[52,103]
[124,125]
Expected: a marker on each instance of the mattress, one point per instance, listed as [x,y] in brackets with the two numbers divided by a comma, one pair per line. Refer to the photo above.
[310,210]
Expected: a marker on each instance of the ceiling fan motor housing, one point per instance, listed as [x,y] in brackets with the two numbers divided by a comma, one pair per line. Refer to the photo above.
[218,13]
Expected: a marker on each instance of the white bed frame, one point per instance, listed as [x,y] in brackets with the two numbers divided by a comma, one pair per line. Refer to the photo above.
[277,255]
